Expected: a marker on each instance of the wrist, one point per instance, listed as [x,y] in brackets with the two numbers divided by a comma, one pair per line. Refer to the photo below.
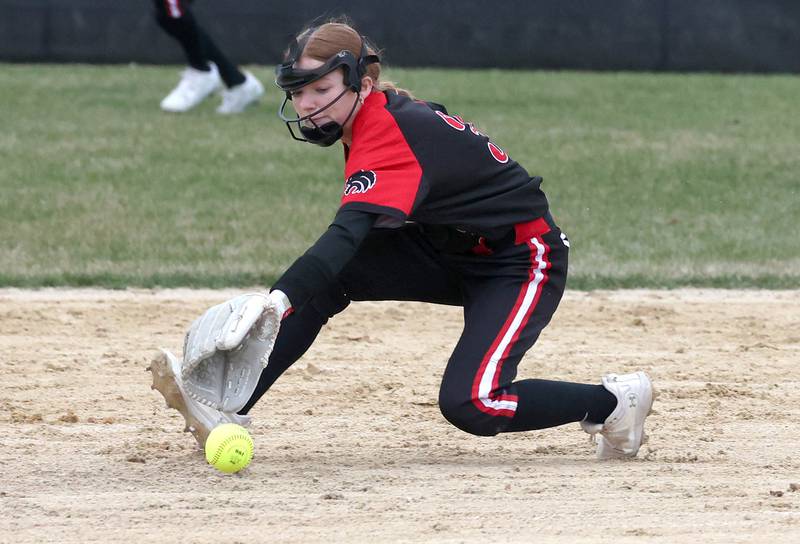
[281,302]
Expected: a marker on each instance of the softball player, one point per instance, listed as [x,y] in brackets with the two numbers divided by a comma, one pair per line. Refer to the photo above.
[209,69]
[432,210]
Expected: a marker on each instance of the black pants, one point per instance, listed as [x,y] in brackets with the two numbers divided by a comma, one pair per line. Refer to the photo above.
[176,19]
[508,298]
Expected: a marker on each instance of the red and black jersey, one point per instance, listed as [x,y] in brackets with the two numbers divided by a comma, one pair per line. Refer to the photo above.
[411,161]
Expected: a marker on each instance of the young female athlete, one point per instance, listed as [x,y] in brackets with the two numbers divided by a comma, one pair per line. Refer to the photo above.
[431,210]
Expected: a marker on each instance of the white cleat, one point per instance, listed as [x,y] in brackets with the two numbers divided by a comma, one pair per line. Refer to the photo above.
[200,419]
[622,433]
[236,99]
[193,88]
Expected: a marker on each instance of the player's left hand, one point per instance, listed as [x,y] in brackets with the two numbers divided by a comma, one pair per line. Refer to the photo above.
[228,346]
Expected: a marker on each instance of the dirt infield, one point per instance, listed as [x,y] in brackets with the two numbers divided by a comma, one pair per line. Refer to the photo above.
[350,446]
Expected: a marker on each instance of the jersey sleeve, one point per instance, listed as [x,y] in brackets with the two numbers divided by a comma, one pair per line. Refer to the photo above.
[382,174]
[312,272]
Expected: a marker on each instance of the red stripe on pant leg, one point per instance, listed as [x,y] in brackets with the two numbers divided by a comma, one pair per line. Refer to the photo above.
[487,356]
[531,309]
[534,303]
[524,291]
[485,361]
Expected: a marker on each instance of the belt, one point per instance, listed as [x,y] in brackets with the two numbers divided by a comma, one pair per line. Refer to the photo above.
[449,239]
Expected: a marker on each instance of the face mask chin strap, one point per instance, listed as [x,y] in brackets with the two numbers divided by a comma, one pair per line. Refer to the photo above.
[324,135]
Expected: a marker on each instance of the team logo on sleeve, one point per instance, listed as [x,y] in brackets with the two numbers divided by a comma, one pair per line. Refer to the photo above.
[360,182]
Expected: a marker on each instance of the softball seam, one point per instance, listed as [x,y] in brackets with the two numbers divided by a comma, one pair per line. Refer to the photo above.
[227,441]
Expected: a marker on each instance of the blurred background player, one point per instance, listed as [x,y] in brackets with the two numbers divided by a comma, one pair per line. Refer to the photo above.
[208,70]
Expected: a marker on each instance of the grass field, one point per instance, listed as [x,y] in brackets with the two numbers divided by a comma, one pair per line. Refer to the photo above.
[660,180]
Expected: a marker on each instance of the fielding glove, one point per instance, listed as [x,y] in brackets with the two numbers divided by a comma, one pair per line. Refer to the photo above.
[228,346]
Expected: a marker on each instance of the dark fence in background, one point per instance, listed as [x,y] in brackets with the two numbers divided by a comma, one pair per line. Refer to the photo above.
[675,35]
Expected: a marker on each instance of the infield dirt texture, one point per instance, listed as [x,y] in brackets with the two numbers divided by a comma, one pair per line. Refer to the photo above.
[350,445]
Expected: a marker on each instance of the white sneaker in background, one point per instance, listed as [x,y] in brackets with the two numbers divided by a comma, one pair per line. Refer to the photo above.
[200,419]
[193,88]
[622,433]
[236,99]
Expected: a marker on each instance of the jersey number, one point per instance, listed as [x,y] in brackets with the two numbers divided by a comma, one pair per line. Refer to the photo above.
[456,122]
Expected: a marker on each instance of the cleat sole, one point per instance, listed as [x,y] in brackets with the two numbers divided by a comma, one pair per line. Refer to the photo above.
[165,382]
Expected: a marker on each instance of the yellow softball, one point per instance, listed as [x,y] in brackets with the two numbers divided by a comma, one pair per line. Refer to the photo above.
[229,448]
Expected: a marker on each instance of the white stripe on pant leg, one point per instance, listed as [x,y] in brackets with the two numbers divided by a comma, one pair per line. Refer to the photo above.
[485,386]
[174,8]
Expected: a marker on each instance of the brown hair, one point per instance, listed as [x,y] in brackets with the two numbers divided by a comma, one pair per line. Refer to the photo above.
[328,39]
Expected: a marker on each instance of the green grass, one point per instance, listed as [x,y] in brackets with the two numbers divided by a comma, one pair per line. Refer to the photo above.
[660,180]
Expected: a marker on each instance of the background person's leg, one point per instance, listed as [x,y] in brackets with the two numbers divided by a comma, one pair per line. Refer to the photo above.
[209,68]
[176,19]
